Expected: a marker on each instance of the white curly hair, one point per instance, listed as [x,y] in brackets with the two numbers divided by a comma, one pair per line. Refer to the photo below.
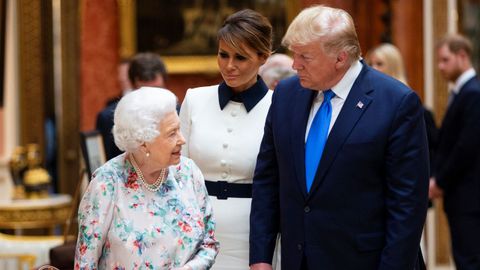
[138,115]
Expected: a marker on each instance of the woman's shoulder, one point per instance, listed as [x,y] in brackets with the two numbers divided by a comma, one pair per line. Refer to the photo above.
[265,102]
[111,170]
[202,91]
[200,98]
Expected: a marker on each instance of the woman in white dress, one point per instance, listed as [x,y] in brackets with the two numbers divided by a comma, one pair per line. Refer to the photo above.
[223,127]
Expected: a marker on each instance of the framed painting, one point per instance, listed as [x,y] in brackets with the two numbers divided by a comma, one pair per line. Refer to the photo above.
[93,151]
[184,32]
[469,24]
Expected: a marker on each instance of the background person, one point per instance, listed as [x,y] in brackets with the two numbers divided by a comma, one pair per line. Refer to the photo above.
[148,207]
[223,127]
[342,171]
[277,67]
[387,58]
[145,69]
[456,171]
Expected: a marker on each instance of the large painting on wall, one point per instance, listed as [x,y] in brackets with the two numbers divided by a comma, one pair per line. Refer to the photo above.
[184,32]
[189,27]
[469,19]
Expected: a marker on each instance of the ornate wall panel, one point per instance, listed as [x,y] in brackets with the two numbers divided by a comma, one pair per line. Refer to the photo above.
[440,28]
[68,126]
[31,73]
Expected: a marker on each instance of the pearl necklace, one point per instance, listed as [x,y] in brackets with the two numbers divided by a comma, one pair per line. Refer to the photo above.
[155,186]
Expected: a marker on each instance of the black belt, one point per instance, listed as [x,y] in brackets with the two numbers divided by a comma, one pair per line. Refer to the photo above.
[224,190]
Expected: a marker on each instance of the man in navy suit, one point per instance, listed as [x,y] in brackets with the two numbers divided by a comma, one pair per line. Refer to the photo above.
[145,69]
[366,206]
[456,173]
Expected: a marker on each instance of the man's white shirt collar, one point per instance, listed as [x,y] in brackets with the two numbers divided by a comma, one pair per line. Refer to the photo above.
[464,78]
[342,88]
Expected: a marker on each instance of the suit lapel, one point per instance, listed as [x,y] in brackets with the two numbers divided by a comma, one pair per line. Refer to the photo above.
[301,111]
[355,105]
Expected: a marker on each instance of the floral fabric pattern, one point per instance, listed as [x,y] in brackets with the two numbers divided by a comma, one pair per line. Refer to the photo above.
[122,225]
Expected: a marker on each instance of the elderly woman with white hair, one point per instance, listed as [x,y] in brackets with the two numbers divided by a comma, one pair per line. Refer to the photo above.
[147,208]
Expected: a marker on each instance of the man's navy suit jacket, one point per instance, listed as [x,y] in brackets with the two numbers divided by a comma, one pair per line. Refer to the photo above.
[367,205]
[457,161]
[104,125]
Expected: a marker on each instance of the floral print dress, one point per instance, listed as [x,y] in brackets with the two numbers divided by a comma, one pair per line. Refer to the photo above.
[122,225]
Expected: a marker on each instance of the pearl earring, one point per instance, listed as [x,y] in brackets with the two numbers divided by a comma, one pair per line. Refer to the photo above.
[147,154]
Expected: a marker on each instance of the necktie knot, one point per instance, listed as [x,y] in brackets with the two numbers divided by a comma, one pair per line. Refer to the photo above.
[328,95]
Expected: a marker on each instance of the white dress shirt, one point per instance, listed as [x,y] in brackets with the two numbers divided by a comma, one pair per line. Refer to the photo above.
[341,90]
[465,77]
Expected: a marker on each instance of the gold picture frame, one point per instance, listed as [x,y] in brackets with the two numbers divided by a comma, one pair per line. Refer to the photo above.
[183,64]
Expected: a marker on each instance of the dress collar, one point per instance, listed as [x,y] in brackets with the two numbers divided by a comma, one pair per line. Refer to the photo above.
[250,97]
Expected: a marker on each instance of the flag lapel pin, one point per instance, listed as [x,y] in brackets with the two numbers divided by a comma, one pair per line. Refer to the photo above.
[360,105]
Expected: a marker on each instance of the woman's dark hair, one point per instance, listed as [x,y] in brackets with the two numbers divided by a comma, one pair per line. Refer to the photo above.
[247,27]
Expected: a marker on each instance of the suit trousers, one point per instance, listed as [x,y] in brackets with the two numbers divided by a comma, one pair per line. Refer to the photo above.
[465,234]
[304,265]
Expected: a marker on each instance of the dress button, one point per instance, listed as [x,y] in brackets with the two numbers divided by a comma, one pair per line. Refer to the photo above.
[234,113]
[306,209]
[299,246]
[229,130]
[224,175]
[225,145]
[223,162]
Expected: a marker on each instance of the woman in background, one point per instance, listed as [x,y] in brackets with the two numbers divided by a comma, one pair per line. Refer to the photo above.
[147,208]
[386,58]
[223,127]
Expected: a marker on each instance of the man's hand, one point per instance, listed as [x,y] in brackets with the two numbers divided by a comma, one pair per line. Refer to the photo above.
[434,191]
[261,266]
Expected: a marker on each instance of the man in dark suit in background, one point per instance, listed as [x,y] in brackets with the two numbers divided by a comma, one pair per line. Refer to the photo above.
[362,203]
[145,69]
[456,173]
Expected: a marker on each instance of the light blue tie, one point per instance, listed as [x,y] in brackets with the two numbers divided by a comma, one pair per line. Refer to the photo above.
[317,137]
